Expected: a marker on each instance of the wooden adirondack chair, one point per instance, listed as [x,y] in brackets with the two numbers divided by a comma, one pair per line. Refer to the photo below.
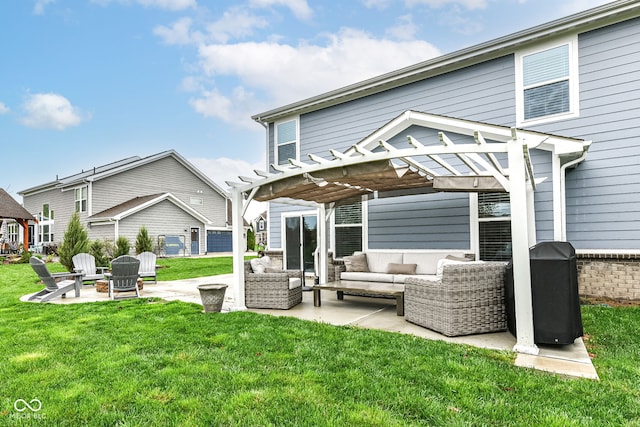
[52,288]
[124,276]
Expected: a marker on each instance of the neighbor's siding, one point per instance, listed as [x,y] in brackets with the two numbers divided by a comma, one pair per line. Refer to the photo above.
[165,175]
[164,218]
[603,192]
[63,205]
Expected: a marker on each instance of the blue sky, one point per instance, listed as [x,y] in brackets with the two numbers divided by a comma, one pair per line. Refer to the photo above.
[87,82]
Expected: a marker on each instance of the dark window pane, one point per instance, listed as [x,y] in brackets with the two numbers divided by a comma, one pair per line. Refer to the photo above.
[286,152]
[348,240]
[495,241]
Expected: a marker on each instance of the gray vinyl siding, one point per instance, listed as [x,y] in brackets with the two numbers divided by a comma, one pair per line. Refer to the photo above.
[165,175]
[164,218]
[603,192]
[464,93]
[63,205]
[106,232]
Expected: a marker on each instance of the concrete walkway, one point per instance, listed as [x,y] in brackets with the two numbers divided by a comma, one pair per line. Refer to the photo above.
[373,313]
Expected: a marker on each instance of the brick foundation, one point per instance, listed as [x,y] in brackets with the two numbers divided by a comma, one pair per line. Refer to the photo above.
[607,275]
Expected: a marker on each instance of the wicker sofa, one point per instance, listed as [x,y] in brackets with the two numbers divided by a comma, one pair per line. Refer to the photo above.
[280,290]
[467,299]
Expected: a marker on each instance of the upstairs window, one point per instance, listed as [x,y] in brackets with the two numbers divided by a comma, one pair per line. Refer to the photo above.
[547,85]
[81,199]
[286,141]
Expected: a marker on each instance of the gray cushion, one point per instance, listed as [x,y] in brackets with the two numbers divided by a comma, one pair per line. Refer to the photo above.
[356,263]
[393,268]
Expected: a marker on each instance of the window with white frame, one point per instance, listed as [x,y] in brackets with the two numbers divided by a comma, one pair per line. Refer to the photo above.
[45,224]
[348,229]
[286,141]
[494,226]
[81,199]
[547,83]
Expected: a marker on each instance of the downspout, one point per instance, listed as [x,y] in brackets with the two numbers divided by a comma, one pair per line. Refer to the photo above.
[563,198]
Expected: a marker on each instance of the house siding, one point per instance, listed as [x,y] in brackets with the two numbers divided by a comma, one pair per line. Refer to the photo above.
[603,192]
[168,219]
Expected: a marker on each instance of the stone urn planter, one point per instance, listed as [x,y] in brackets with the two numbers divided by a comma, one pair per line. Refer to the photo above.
[212,297]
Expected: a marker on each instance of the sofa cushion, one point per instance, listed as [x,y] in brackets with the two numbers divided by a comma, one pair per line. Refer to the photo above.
[356,263]
[258,265]
[428,261]
[294,282]
[393,268]
[378,261]
[400,278]
[366,277]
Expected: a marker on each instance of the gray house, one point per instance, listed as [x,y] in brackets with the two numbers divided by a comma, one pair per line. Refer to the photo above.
[547,117]
[184,211]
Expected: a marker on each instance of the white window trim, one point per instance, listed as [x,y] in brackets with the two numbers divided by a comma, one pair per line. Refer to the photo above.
[276,160]
[574,84]
[76,200]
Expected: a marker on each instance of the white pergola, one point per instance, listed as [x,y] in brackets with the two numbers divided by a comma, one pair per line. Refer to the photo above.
[375,168]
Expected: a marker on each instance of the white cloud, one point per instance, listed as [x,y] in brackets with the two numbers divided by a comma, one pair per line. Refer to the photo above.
[50,111]
[3,108]
[300,8]
[160,4]
[178,33]
[469,4]
[235,23]
[224,169]
[288,73]
[38,8]
[404,29]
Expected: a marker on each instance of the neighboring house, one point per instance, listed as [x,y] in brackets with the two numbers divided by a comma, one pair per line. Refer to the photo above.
[574,80]
[184,211]
[260,229]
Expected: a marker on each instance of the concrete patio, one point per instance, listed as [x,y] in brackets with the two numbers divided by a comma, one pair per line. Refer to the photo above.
[373,313]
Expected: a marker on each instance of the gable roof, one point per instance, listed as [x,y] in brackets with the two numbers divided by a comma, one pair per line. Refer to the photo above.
[141,203]
[110,169]
[597,17]
[10,208]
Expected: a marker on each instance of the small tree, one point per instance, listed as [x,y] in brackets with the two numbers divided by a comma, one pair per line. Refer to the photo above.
[75,241]
[251,240]
[97,249]
[143,241]
[122,247]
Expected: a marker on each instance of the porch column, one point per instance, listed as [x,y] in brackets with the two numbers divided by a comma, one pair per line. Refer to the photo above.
[520,247]
[237,228]
[323,265]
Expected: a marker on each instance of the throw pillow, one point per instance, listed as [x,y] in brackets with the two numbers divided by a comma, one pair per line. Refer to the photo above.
[401,268]
[442,262]
[356,263]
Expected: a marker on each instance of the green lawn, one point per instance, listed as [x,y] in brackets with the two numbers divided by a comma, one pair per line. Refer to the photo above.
[146,362]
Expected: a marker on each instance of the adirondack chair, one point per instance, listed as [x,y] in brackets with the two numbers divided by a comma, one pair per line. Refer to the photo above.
[54,289]
[86,264]
[148,265]
[124,276]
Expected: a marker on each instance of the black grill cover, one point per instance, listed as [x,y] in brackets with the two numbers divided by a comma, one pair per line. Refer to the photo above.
[554,292]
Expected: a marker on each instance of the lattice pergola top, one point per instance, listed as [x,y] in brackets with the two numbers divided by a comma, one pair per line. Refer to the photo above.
[374,166]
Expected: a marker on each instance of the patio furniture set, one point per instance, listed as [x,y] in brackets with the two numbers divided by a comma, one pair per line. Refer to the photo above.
[127,274]
[447,292]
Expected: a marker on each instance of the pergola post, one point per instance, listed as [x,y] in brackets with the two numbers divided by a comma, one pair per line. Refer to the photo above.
[520,237]
[323,248]
[237,227]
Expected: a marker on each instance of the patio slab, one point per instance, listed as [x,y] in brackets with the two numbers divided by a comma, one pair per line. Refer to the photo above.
[372,313]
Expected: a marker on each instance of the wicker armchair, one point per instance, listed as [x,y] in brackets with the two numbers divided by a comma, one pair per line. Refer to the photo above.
[469,299]
[272,290]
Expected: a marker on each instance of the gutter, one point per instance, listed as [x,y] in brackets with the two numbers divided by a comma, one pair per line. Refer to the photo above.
[563,198]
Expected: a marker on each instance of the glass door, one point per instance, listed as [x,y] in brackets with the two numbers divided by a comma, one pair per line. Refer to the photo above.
[301,240]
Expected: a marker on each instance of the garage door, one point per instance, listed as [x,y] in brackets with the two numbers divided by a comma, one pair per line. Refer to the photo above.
[219,241]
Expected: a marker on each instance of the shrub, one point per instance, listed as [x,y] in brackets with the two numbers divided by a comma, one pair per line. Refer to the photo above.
[75,241]
[143,241]
[123,247]
[97,249]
